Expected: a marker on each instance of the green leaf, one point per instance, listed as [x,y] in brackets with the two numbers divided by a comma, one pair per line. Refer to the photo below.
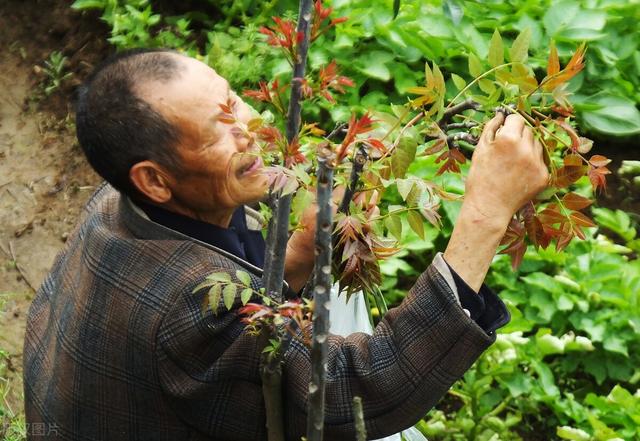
[520,48]
[214,297]
[396,8]
[88,4]
[566,432]
[205,284]
[378,71]
[438,79]
[453,10]
[612,114]
[416,223]
[475,65]
[487,86]
[613,343]
[244,277]
[245,295]
[394,225]
[617,221]
[404,187]
[496,50]
[229,295]
[219,277]
[300,202]
[403,156]
[458,81]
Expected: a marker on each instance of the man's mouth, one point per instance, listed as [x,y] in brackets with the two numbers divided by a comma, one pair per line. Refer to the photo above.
[252,166]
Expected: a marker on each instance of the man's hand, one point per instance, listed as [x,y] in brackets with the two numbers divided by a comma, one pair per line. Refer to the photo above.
[301,246]
[507,170]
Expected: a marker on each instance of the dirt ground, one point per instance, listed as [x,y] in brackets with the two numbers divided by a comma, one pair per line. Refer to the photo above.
[44,179]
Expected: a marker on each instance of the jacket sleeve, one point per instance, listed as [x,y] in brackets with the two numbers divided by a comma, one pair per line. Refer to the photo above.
[209,367]
[401,371]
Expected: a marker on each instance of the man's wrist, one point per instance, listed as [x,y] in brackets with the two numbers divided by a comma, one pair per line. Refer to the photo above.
[485,215]
[473,243]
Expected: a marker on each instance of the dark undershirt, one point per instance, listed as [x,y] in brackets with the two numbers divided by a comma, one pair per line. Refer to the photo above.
[485,307]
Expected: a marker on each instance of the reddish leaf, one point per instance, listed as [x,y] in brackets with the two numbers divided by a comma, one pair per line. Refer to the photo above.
[533,226]
[376,144]
[575,139]
[226,119]
[599,160]
[564,237]
[581,219]
[553,65]
[436,147]
[572,160]
[597,177]
[567,175]
[575,65]
[514,239]
[574,201]
[552,215]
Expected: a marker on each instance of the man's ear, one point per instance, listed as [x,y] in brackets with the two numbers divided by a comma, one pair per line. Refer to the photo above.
[151,181]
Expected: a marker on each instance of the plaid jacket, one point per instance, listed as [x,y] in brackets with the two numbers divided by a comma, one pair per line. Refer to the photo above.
[117,346]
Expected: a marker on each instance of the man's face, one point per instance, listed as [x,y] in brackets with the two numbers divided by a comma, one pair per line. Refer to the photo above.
[221,169]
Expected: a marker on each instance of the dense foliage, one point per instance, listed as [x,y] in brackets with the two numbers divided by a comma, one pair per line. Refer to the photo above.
[385,56]
[567,365]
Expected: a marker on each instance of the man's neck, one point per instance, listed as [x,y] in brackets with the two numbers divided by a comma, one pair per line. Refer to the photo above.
[221,218]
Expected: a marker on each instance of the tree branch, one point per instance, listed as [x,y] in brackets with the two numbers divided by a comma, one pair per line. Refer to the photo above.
[273,273]
[356,169]
[462,136]
[271,376]
[456,110]
[322,290]
[460,125]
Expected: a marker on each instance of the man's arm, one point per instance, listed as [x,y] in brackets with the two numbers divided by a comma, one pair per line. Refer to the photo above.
[507,171]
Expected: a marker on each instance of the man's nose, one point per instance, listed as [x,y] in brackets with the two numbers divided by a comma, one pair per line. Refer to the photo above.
[244,141]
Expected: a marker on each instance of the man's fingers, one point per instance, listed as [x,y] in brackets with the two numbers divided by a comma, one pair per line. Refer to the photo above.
[527,135]
[513,125]
[490,128]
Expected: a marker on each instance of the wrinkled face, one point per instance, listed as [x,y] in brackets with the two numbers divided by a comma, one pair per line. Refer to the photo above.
[221,169]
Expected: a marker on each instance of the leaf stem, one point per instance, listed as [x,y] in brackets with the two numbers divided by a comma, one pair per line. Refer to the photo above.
[475,80]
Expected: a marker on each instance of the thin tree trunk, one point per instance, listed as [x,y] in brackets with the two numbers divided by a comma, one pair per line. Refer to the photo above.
[271,375]
[322,289]
[273,274]
[358,415]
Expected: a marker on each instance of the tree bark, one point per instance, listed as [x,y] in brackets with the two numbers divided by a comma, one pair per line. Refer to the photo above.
[322,289]
[273,274]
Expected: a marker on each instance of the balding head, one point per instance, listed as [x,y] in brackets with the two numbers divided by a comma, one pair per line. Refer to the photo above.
[116,125]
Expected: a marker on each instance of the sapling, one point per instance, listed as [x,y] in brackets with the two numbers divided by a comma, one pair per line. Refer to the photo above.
[371,155]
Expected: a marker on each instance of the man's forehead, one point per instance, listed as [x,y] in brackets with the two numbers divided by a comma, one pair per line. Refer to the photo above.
[195,84]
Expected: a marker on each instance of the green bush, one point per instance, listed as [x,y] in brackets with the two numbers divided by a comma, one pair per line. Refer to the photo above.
[386,56]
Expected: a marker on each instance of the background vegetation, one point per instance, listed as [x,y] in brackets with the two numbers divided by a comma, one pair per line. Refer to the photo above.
[568,364]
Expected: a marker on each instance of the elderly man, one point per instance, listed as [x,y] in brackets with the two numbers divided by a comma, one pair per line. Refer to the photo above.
[117,345]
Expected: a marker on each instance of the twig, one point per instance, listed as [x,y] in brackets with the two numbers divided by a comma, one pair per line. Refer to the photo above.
[322,290]
[460,125]
[457,109]
[462,136]
[358,415]
[18,267]
[356,169]
[6,183]
[336,130]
